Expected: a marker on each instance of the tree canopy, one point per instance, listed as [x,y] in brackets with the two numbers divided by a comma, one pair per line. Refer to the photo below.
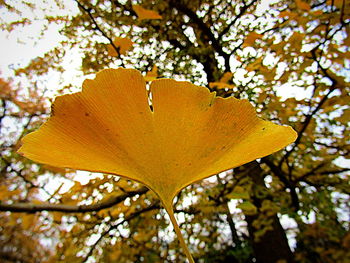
[290,59]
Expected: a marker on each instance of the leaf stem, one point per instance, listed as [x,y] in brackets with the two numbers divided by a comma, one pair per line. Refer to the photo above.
[170,211]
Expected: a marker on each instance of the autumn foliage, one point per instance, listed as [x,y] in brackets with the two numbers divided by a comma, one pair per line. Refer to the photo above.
[290,60]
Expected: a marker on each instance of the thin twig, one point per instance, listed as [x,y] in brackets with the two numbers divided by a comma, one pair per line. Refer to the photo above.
[88,11]
[115,226]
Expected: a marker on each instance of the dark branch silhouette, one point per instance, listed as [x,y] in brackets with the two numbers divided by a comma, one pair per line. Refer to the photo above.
[32,208]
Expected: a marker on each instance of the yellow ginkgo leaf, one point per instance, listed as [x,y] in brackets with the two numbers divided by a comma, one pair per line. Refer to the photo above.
[238,193]
[122,43]
[302,5]
[152,75]
[143,13]
[248,207]
[223,82]
[188,134]
[250,39]
[226,77]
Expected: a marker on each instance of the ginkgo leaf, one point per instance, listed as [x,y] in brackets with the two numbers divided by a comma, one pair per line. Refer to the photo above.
[226,77]
[143,13]
[250,39]
[188,135]
[223,82]
[302,5]
[122,43]
[27,221]
[248,207]
[238,193]
[152,75]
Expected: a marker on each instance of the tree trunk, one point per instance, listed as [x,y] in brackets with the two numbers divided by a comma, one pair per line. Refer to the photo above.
[273,245]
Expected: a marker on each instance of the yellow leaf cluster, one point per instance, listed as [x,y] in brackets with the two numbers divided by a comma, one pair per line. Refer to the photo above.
[251,38]
[122,43]
[248,208]
[302,5]
[6,194]
[238,193]
[223,82]
[152,75]
[28,221]
[144,14]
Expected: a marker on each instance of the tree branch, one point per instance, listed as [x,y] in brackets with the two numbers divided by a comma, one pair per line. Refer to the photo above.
[114,226]
[206,30]
[325,172]
[241,12]
[316,109]
[288,184]
[32,208]
[88,11]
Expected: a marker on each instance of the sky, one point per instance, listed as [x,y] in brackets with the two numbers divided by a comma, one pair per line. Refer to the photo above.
[23,44]
[20,46]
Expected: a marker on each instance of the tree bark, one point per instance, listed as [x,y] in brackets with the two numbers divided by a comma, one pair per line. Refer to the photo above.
[273,245]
